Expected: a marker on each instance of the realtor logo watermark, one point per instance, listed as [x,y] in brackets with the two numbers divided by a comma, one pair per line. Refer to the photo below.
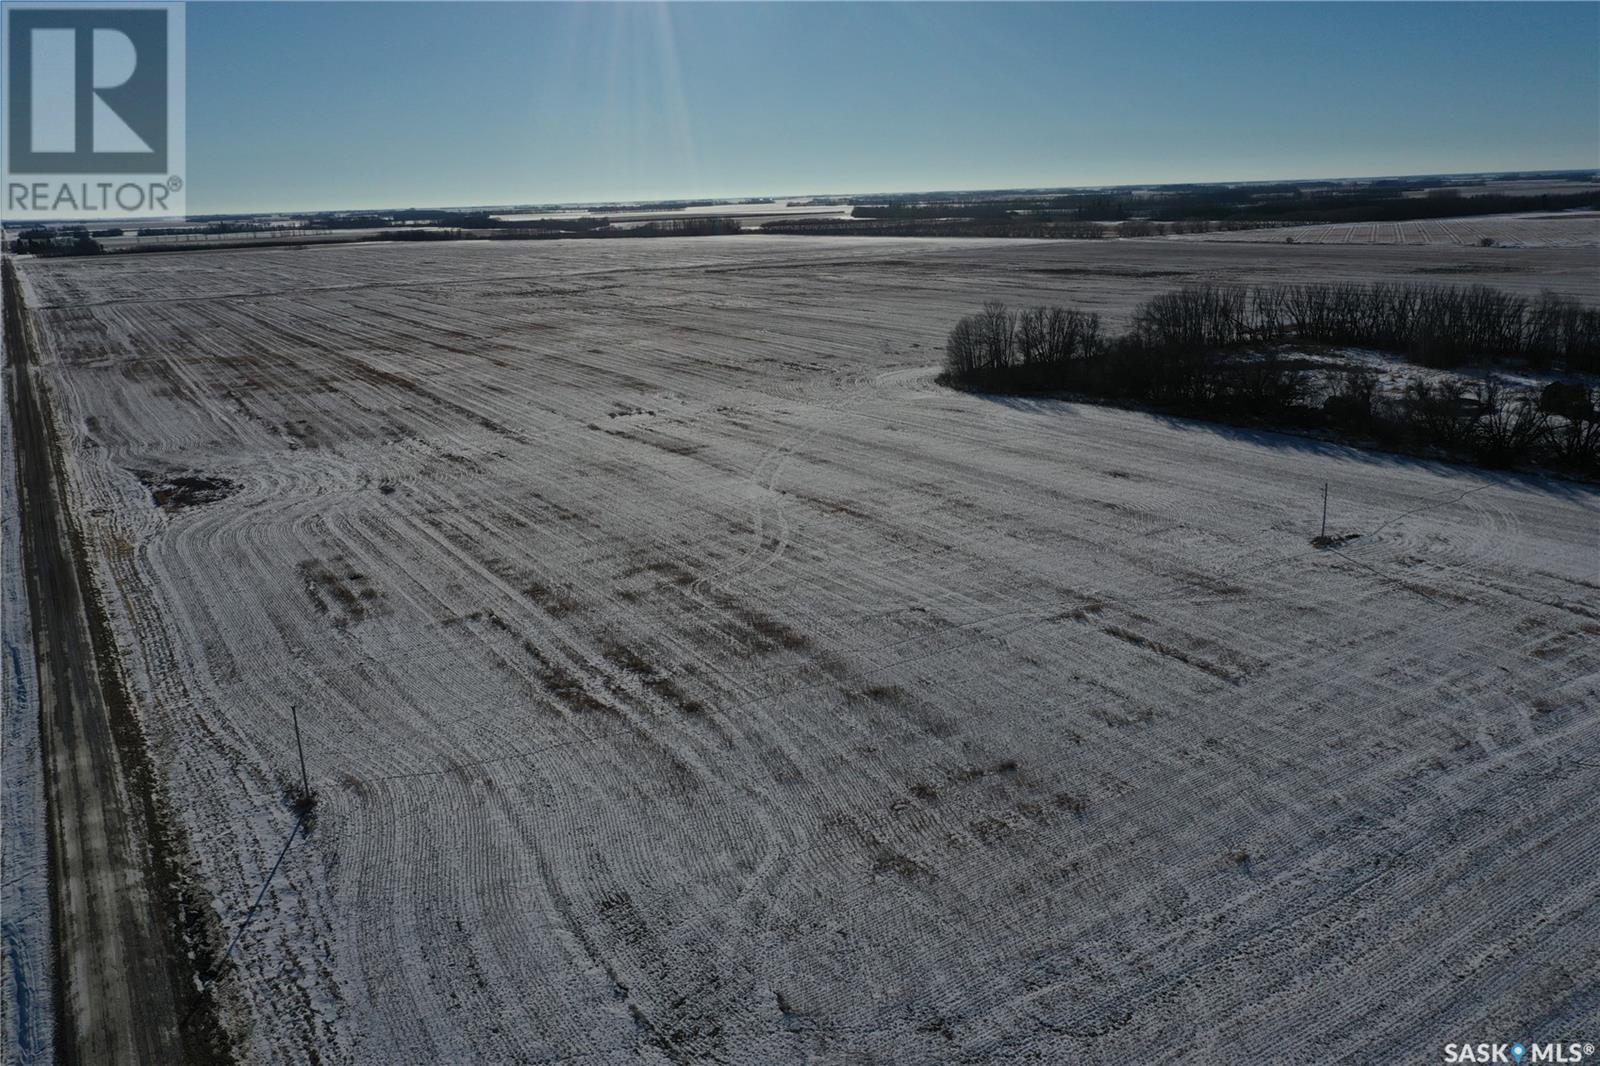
[94,115]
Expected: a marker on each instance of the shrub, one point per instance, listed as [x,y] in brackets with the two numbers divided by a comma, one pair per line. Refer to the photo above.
[1351,404]
[1507,430]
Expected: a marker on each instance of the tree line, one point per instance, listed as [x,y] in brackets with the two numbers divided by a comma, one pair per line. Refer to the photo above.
[710,226]
[1283,203]
[938,222]
[1435,325]
[1220,352]
[1009,226]
[65,240]
[1409,208]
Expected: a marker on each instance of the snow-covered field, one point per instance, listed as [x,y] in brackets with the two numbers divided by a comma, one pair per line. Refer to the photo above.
[686,677]
[1574,230]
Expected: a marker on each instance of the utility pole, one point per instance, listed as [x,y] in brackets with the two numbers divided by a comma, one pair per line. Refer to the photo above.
[1324,534]
[305,781]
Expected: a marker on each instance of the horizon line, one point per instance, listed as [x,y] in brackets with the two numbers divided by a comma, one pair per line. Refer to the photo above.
[735,198]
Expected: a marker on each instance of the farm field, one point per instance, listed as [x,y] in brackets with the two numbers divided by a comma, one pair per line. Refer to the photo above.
[1576,230]
[686,677]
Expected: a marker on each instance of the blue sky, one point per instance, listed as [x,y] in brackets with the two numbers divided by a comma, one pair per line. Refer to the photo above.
[322,105]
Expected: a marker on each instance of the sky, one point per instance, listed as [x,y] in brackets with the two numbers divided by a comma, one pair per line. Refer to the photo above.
[301,106]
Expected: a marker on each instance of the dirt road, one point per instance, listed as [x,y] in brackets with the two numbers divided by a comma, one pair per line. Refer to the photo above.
[123,981]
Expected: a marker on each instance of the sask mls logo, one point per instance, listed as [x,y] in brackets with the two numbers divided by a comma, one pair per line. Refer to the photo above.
[1519,1053]
[94,110]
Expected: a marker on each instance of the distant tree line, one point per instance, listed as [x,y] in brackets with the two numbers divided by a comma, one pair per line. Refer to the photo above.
[679,227]
[562,225]
[1404,209]
[591,226]
[77,240]
[1009,226]
[1302,206]
[332,222]
[667,205]
[226,227]
[65,240]
[420,233]
[997,209]
[671,227]
[484,220]
[1074,207]
[1284,203]
[1223,352]
[942,222]
[1143,227]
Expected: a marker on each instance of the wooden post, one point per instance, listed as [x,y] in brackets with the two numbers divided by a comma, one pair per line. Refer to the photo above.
[1324,509]
[305,782]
